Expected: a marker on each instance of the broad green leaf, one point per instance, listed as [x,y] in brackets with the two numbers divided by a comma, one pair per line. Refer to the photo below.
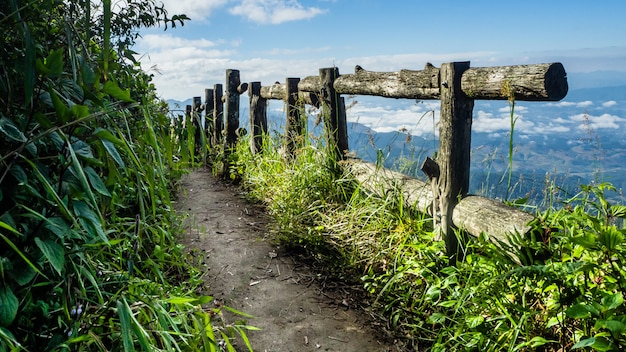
[96,182]
[54,253]
[602,343]
[58,226]
[616,327]
[9,129]
[54,62]
[205,299]
[578,311]
[31,148]
[107,135]
[8,306]
[19,174]
[436,318]
[473,322]
[539,341]
[88,75]
[584,343]
[82,150]
[112,89]
[110,147]
[62,110]
[448,304]
[89,220]
[612,301]
[23,274]
[80,111]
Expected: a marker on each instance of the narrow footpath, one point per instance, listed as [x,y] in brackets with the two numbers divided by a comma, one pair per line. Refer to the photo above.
[292,306]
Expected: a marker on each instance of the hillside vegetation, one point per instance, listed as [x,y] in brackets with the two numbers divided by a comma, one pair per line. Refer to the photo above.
[560,289]
[89,258]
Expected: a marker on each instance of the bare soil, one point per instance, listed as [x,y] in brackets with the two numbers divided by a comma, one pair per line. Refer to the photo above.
[294,306]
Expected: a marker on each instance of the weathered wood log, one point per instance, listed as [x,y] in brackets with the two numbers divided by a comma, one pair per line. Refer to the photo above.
[258,117]
[218,114]
[402,84]
[380,181]
[334,112]
[278,91]
[541,82]
[474,214]
[453,158]
[478,215]
[310,84]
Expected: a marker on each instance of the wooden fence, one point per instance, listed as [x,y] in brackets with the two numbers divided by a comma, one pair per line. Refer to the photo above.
[457,85]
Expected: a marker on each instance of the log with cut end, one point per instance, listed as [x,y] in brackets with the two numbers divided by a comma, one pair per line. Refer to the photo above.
[540,82]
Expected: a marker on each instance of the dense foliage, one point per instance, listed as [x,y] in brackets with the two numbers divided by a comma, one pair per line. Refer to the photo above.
[561,287]
[89,257]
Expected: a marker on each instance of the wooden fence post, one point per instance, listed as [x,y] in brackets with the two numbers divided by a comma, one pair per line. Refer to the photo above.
[232,108]
[294,125]
[453,156]
[196,117]
[188,117]
[218,114]
[258,117]
[334,112]
[208,115]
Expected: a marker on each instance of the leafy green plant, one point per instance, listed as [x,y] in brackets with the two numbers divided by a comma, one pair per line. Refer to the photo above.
[90,258]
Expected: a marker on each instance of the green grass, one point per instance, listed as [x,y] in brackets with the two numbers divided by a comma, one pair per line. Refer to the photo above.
[90,256]
[566,293]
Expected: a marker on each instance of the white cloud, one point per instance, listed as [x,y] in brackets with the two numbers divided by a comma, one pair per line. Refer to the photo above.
[194,9]
[550,128]
[285,52]
[484,122]
[518,108]
[416,119]
[597,122]
[582,104]
[168,41]
[274,11]
[610,103]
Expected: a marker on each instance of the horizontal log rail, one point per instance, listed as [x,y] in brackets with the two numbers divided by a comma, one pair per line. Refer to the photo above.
[539,82]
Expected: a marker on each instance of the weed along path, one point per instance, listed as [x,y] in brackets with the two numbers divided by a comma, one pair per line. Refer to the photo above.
[245,271]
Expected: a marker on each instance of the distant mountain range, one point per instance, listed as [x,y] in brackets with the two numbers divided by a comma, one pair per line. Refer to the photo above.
[579,140]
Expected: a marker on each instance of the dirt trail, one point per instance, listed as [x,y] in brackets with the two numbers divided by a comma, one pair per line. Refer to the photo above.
[247,272]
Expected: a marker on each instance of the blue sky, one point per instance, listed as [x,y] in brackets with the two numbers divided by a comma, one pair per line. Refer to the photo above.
[269,40]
